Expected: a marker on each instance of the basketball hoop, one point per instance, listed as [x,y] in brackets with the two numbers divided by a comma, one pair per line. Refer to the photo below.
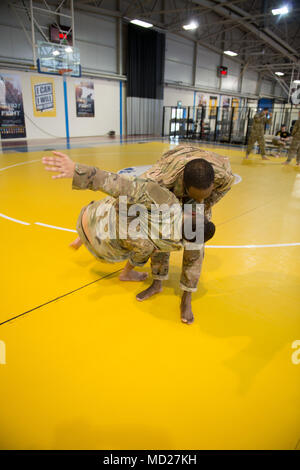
[62,71]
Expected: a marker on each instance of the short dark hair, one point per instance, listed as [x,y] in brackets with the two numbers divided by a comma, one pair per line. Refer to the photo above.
[266,109]
[283,125]
[209,229]
[198,173]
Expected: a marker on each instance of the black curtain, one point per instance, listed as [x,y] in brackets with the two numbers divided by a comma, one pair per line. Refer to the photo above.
[145,78]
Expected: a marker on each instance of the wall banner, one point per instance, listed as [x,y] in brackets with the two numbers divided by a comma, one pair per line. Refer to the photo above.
[235,105]
[12,121]
[85,104]
[225,101]
[213,103]
[43,96]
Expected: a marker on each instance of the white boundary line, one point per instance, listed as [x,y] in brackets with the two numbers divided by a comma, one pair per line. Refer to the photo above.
[19,164]
[238,178]
[275,245]
[14,220]
[55,227]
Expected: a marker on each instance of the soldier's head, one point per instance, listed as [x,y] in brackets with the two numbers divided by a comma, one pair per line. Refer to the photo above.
[190,220]
[198,179]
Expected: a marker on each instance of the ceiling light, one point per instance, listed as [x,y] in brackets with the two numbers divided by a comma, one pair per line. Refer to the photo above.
[230,53]
[144,24]
[56,52]
[281,11]
[280,74]
[68,49]
[190,26]
[296,81]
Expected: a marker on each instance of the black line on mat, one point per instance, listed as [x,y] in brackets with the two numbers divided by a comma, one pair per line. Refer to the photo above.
[247,212]
[60,297]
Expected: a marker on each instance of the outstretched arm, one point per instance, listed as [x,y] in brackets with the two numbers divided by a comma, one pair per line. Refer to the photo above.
[89,177]
[61,164]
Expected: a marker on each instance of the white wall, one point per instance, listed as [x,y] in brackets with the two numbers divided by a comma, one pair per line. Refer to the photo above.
[266,87]
[107,108]
[207,64]
[96,38]
[279,91]
[231,82]
[172,95]
[179,59]
[249,82]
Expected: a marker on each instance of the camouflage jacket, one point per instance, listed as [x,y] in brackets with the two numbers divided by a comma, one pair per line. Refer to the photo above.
[138,191]
[259,122]
[168,172]
[296,130]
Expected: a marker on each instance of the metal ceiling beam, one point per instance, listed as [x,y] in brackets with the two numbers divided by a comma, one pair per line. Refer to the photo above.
[281,82]
[189,9]
[284,65]
[233,12]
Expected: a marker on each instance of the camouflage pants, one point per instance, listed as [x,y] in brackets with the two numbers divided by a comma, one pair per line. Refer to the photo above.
[137,251]
[278,143]
[294,150]
[191,268]
[261,142]
[82,235]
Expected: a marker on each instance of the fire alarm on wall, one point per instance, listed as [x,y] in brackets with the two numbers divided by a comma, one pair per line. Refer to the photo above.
[222,71]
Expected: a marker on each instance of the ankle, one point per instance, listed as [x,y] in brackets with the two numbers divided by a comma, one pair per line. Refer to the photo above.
[157,283]
[186,297]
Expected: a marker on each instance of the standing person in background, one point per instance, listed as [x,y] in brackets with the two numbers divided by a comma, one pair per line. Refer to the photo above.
[258,131]
[295,144]
[281,138]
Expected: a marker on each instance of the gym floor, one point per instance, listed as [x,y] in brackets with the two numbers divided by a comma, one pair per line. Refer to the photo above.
[89,367]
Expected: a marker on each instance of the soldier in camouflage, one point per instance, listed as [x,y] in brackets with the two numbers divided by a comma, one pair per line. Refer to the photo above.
[186,171]
[99,217]
[258,131]
[295,144]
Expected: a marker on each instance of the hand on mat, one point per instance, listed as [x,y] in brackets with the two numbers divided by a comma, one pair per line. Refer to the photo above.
[61,164]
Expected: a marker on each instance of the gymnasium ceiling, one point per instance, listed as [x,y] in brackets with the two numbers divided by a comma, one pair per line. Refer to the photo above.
[264,42]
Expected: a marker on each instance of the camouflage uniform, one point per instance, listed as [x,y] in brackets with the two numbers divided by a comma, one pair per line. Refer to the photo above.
[168,172]
[99,213]
[278,143]
[295,144]
[257,133]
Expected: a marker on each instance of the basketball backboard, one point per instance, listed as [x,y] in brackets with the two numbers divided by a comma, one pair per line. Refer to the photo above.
[58,59]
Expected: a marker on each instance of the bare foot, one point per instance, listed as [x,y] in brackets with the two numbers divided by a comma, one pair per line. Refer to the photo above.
[186,309]
[132,276]
[246,157]
[155,288]
[286,162]
[76,244]
[264,158]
